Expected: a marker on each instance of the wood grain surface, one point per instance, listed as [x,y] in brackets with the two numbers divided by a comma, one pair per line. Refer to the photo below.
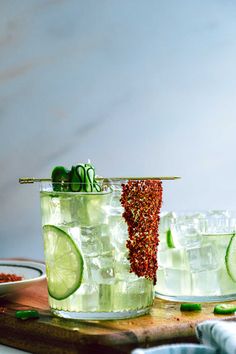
[48,334]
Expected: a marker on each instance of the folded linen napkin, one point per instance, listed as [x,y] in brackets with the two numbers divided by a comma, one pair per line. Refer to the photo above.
[218,334]
[183,348]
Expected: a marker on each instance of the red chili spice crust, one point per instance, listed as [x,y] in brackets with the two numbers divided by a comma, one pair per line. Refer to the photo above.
[142,201]
[7,277]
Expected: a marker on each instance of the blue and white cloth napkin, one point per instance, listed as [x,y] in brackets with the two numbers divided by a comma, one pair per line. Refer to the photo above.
[216,337]
[220,335]
[177,349]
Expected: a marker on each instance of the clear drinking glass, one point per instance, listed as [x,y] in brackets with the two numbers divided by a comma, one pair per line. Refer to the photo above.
[87,229]
[192,256]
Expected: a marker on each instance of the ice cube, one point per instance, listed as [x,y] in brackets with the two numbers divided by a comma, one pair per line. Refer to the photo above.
[116,195]
[219,221]
[206,283]
[102,269]
[130,295]
[57,210]
[106,296]
[67,209]
[160,286]
[166,219]
[203,258]
[186,234]
[91,244]
[219,240]
[86,298]
[119,233]
[177,282]
[227,285]
[103,234]
[122,267]
[173,258]
[220,243]
[91,209]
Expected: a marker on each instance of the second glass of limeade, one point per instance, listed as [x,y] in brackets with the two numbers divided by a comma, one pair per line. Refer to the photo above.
[88,263]
[197,256]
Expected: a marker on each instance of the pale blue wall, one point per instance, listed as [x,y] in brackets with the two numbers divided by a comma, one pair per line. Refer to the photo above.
[141,87]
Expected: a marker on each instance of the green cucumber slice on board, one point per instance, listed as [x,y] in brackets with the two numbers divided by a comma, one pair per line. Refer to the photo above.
[224,309]
[230,258]
[190,307]
[64,263]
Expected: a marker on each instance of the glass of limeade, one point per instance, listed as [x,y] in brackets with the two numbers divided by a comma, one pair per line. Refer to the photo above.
[197,256]
[87,265]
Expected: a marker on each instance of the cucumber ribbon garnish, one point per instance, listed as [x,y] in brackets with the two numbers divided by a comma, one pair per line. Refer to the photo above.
[80,178]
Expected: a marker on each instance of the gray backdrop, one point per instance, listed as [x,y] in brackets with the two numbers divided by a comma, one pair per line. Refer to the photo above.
[141,87]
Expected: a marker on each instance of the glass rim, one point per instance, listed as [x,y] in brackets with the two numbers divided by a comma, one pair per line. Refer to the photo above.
[95,187]
[79,188]
[179,215]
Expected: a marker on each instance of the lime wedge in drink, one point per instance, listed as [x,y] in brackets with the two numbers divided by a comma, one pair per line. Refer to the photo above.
[169,239]
[230,258]
[64,263]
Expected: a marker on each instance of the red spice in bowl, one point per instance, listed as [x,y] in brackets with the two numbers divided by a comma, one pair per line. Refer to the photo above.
[142,201]
[8,277]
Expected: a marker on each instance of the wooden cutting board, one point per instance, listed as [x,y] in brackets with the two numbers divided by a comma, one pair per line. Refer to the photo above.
[48,334]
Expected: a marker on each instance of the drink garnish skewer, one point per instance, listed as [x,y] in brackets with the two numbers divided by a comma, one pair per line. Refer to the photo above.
[29,180]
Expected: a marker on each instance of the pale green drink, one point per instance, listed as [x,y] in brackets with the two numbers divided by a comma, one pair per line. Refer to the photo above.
[195,262]
[85,244]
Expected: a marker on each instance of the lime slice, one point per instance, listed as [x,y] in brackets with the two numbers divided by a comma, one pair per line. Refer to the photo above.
[169,239]
[230,258]
[64,263]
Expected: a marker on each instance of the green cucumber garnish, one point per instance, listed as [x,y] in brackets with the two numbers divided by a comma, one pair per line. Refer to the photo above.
[60,179]
[224,309]
[169,239]
[230,258]
[75,180]
[190,307]
[80,178]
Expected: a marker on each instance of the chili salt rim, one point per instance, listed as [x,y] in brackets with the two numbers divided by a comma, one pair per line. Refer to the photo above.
[142,201]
